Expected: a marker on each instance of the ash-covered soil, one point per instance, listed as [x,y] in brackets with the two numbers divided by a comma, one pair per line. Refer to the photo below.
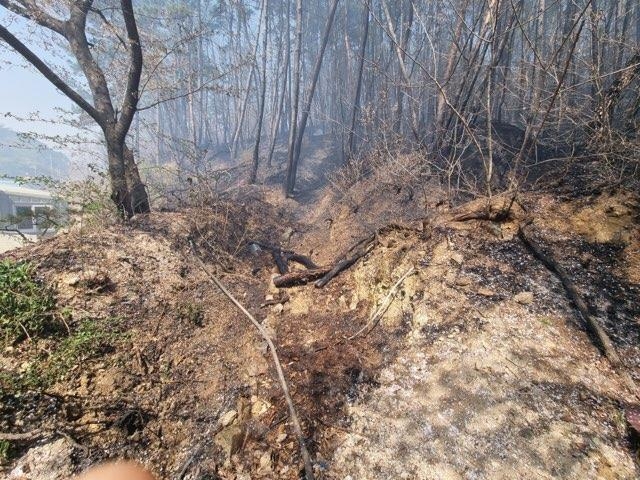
[479,368]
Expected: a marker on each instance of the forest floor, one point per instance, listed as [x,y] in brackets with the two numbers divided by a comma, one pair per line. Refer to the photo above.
[480,367]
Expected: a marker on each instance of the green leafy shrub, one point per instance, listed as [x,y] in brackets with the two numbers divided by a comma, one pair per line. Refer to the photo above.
[26,305]
[28,309]
[90,339]
[5,451]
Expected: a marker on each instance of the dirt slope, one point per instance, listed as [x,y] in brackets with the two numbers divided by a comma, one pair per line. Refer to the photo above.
[480,367]
[489,385]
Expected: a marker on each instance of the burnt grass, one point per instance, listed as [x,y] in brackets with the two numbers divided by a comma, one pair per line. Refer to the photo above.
[325,374]
[592,266]
[330,372]
[608,295]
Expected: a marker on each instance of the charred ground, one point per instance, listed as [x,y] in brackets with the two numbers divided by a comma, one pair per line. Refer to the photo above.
[480,366]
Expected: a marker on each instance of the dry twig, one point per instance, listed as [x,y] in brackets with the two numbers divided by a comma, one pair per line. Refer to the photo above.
[308,466]
[380,311]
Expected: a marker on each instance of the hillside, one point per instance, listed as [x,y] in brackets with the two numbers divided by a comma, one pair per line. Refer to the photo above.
[478,367]
[328,240]
[27,157]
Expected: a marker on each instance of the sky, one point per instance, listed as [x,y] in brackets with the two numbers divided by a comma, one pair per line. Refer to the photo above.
[25,93]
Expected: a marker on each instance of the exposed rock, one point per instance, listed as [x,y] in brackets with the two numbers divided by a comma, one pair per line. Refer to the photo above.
[394,316]
[421,315]
[342,302]
[258,368]
[85,382]
[266,464]
[51,461]
[463,281]
[524,298]
[71,280]
[229,439]
[354,302]
[269,324]
[299,305]
[287,234]
[228,418]
[387,377]
[457,258]
[486,292]
[259,406]
[450,278]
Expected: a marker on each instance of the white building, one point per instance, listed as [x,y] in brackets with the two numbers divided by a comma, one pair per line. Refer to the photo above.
[25,212]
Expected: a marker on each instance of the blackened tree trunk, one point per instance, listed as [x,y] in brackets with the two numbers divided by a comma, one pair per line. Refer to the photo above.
[292,167]
[605,110]
[263,95]
[356,101]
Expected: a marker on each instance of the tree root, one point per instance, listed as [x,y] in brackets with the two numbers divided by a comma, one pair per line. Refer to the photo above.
[380,311]
[354,254]
[27,437]
[495,210]
[300,277]
[323,275]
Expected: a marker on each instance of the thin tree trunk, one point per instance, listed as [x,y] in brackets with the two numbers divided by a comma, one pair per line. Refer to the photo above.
[400,47]
[283,95]
[596,84]
[356,101]
[288,189]
[245,100]
[293,165]
[452,59]
[263,93]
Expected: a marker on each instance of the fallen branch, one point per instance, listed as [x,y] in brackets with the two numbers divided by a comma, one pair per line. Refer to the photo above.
[593,327]
[308,467]
[354,254]
[323,275]
[300,277]
[283,257]
[31,436]
[284,298]
[15,230]
[38,435]
[384,306]
[74,442]
[491,211]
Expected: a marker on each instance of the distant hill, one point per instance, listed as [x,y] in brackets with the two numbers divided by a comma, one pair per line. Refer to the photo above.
[21,156]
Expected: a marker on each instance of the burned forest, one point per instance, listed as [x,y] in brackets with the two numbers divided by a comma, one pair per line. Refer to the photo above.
[319,239]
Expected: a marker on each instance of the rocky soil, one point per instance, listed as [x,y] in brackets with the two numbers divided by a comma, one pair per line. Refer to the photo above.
[480,367]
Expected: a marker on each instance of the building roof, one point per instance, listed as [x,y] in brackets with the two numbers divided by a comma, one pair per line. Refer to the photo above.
[20,191]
